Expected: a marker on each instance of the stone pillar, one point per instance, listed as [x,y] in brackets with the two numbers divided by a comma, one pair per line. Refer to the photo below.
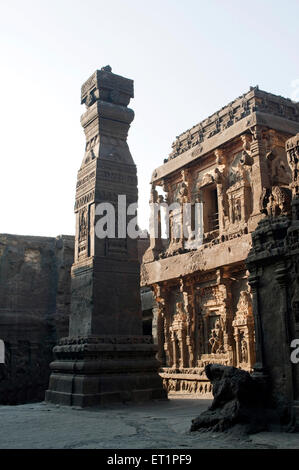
[188,303]
[174,364]
[105,358]
[167,343]
[225,292]
[292,149]
[220,179]
[183,348]
[253,281]
[282,280]
[269,268]
[156,245]
[237,340]
[259,174]
[158,315]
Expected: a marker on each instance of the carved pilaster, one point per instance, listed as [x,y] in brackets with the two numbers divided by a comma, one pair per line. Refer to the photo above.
[292,148]
[259,171]
[253,281]
[156,245]
[225,290]
[162,324]
[221,183]
[243,324]
[187,290]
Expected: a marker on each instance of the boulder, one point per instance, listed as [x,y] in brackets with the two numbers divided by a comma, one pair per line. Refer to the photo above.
[239,399]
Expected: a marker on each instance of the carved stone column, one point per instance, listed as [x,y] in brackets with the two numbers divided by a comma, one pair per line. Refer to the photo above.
[253,281]
[188,300]
[175,355]
[156,245]
[244,331]
[224,286]
[162,333]
[105,358]
[292,149]
[282,280]
[237,340]
[259,173]
[220,179]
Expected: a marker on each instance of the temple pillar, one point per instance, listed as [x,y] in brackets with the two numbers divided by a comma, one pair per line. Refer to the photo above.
[259,174]
[188,302]
[156,245]
[220,179]
[253,281]
[105,358]
[237,340]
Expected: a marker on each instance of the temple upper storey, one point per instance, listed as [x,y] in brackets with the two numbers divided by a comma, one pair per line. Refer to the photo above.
[254,108]
[232,170]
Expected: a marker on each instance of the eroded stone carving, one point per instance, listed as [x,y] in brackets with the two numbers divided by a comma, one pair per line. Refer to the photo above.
[276,201]
[239,402]
[237,178]
[216,338]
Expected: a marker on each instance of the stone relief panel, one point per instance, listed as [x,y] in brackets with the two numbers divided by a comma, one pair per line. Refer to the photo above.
[239,194]
[276,158]
[205,319]
[243,324]
[216,335]
[276,201]
[212,341]
[83,221]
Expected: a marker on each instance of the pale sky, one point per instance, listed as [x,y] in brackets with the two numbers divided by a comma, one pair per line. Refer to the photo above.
[187,59]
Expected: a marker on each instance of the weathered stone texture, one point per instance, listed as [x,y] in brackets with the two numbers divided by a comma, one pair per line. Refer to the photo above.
[234,167]
[273,267]
[105,357]
[239,400]
[34,310]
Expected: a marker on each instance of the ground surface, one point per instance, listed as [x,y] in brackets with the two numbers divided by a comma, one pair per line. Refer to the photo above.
[156,425]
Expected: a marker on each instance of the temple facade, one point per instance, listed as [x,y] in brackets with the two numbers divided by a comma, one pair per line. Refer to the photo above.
[232,169]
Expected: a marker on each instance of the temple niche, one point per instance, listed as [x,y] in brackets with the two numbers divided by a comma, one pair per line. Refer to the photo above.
[232,171]
[243,324]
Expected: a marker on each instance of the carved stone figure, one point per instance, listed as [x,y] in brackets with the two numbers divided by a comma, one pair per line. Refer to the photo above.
[216,338]
[276,201]
[244,350]
[83,224]
[223,164]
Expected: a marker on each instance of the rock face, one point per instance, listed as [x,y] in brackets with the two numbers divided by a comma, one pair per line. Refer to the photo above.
[238,400]
[105,357]
[34,311]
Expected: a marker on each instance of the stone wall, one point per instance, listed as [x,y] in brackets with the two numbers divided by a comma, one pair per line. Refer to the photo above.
[34,311]
[273,267]
[229,172]
[35,297]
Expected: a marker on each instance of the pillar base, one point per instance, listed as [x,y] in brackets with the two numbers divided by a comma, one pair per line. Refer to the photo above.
[98,370]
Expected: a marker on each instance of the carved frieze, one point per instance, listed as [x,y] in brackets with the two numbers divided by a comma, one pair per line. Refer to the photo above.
[253,101]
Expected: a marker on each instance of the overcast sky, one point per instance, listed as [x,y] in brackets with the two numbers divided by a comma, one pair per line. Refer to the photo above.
[187,59]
